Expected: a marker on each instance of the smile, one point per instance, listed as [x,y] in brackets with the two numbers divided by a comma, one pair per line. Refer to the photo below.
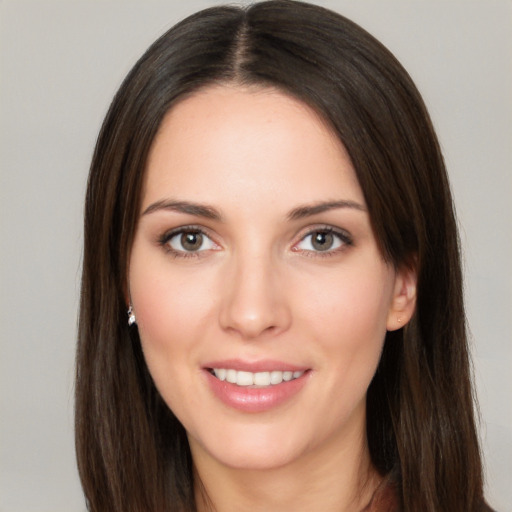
[263,379]
[255,387]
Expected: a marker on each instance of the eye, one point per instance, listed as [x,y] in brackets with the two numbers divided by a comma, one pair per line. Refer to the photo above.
[323,240]
[188,241]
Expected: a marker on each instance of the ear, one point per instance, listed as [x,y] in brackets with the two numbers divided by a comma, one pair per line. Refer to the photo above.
[403,302]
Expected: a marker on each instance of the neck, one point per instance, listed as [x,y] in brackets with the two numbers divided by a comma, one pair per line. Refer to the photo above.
[341,480]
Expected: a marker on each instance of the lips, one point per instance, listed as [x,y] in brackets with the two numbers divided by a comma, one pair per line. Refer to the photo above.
[255,387]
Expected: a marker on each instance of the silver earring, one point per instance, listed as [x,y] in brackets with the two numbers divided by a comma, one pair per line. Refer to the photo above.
[131,316]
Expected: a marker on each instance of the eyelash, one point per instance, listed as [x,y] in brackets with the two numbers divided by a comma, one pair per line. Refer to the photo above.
[343,237]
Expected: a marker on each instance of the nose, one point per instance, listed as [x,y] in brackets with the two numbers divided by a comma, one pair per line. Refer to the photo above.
[254,298]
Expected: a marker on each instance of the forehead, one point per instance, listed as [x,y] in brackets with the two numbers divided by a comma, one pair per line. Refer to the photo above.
[228,142]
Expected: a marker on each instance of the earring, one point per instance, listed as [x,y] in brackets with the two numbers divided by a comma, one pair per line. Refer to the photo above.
[131,316]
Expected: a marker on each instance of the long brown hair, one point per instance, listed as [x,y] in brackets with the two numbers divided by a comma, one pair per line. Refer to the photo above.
[132,453]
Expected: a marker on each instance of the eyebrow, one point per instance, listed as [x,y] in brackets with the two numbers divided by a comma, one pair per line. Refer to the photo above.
[209,212]
[198,210]
[314,209]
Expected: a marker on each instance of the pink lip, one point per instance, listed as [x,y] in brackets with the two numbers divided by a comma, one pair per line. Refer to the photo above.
[252,399]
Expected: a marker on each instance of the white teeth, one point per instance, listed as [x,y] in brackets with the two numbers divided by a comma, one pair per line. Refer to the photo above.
[221,374]
[241,378]
[244,379]
[276,377]
[231,376]
[262,379]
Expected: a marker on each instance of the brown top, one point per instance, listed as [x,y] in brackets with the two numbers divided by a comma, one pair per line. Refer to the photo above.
[384,498]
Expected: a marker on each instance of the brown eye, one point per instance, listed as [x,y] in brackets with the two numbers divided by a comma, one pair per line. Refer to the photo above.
[188,241]
[322,241]
[191,241]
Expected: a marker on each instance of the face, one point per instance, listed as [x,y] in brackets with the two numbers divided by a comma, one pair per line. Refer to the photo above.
[261,298]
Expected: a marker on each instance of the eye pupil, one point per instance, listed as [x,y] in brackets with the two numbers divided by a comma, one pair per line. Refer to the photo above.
[322,241]
[191,241]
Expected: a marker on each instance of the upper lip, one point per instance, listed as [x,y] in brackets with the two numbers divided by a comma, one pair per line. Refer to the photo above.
[263,365]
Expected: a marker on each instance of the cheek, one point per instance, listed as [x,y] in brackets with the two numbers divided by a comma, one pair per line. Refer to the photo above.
[155,307]
[348,314]
[356,299]
[166,321]
[174,310]
[175,313]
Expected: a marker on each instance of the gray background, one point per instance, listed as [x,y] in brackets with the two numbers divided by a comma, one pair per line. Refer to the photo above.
[61,63]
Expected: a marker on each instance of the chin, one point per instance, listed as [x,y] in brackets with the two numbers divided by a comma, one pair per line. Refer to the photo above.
[259,460]
[250,449]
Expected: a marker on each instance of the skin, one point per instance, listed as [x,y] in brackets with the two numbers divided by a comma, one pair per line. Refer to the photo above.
[258,289]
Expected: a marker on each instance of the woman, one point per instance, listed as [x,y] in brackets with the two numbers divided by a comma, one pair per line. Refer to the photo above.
[269,203]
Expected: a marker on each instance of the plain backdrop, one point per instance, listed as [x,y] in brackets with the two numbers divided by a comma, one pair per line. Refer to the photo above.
[61,63]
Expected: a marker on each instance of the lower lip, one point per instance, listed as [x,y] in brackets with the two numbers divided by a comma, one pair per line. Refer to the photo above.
[251,399]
